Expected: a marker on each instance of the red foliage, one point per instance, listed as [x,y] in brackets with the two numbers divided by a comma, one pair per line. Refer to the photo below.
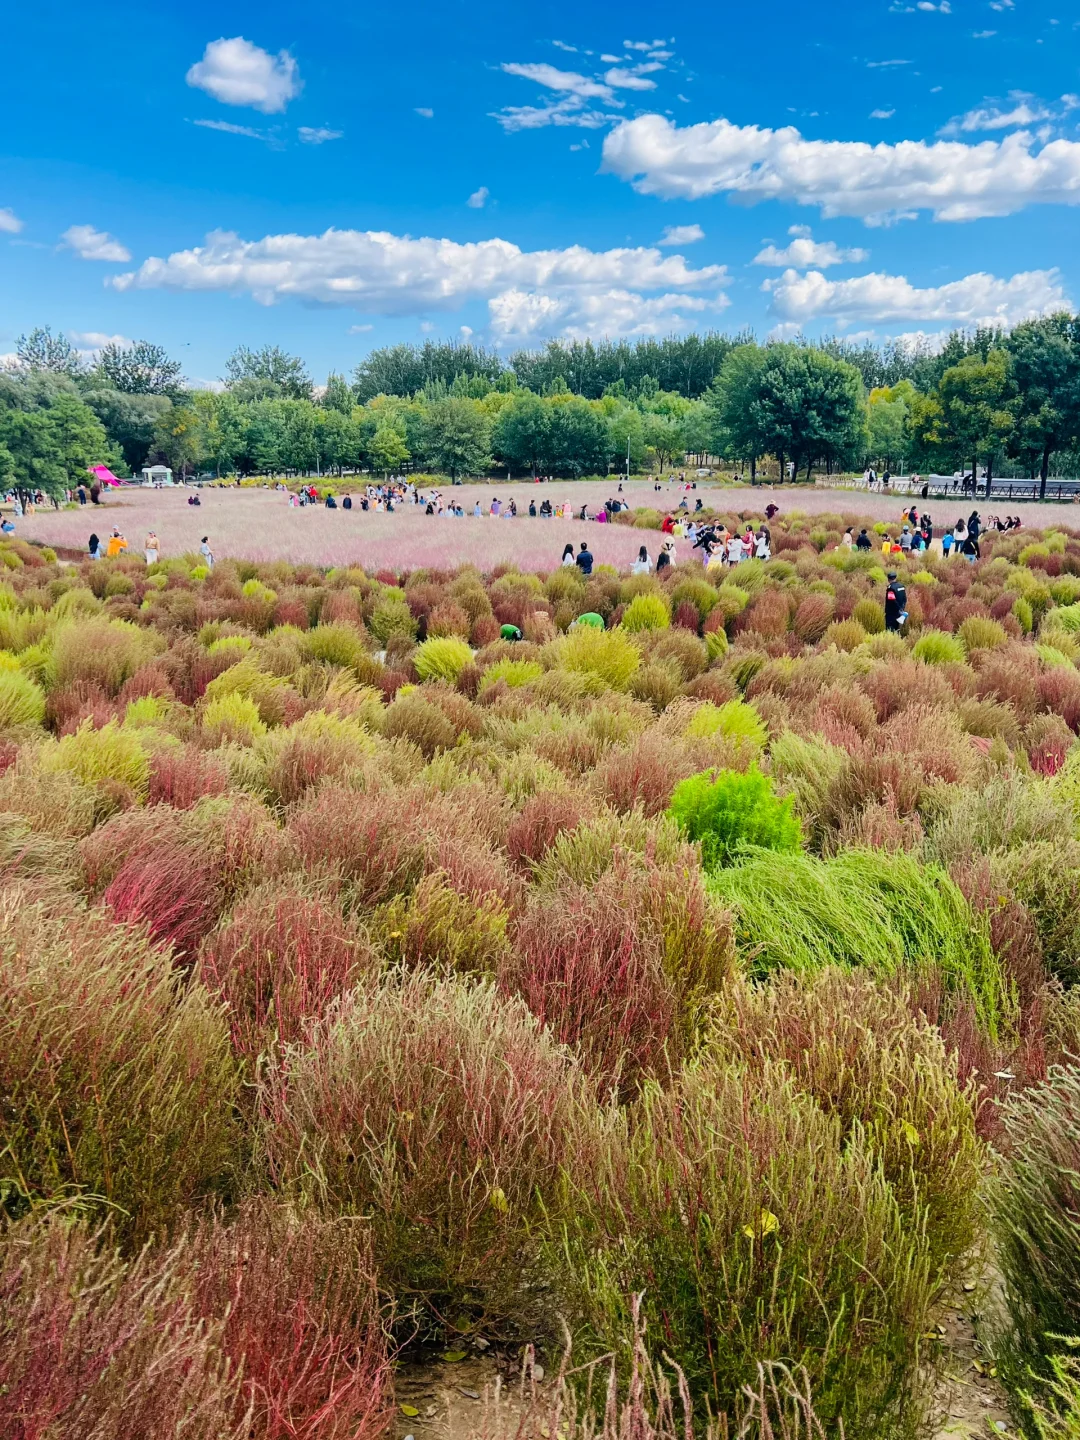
[686,617]
[1059,691]
[172,888]
[182,776]
[278,962]
[365,838]
[643,776]
[484,631]
[542,820]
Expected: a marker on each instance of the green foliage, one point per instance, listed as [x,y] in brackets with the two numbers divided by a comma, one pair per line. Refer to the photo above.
[608,656]
[938,647]
[735,720]
[442,659]
[979,632]
[111,756]
[730,810]
[22,702]
[647,612]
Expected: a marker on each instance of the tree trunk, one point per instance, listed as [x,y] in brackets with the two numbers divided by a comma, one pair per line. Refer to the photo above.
[781,477]
[753,470]
[809,468]
[989,474]
[1044,472]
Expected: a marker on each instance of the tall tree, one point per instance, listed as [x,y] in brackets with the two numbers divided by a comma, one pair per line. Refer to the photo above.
[578,438]
[457,436]
[266,372]
[52,446]
[522,432]
[140,369]
[1045,356]
[42,350]
[809,406]
[130,420]
[338,394]
[734,429]
[976,419]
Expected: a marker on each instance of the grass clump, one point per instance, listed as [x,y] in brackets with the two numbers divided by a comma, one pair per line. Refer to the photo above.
[727,811]
[938,647]
[442,658]
[22,701]
[646,612]
[608,656]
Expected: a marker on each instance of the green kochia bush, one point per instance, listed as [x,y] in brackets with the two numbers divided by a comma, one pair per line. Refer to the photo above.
[730,810]
[1036,1224]
[886,912]
[757,1231]
[442,658]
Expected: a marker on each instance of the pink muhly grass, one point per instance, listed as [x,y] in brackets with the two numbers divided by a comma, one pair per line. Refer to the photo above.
[278,962]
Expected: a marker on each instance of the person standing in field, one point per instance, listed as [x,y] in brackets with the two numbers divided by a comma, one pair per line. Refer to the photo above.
[568,554]
[152,549]
[206,553]
[584,560]
[117,544]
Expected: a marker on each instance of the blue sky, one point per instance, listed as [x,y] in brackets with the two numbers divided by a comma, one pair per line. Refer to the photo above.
[331,178]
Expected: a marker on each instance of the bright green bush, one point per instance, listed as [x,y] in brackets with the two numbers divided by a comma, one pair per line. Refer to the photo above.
[870,614]
[392,617]
[735,720]
[22,702]
[938,647]
[730,810]
[610,656]
[336,644]
[232,718]
[111,755]
[442,658]
[646,612]
[512,672]
[979,632]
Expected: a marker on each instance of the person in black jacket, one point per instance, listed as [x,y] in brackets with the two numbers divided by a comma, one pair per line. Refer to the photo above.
[895,603]
[863,542]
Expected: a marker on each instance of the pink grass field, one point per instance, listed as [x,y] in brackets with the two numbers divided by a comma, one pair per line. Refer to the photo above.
[259,525]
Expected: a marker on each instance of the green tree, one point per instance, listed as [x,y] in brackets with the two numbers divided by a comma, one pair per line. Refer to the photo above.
[177,439]
[387,450]
[663,435]
[809,406]
[266,373]
[457,436]
[130,421]
[578,438]
[139,369]
[887,416]
[976,419]
[734,429]
[338,394]
[42,350]
[522,433]
[1045,364]
[52,446]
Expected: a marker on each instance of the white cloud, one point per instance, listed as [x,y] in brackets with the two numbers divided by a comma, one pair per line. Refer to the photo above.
[643,44]
[800,230]
[425,111]
[983,34]
[396,274]
[803,252]
[661,54]
[236,72]
[359,329]
[979,299]
[563,81]
[576,291]
[876,183]
[571,111]
[90,343]
[465,331]
[522,315]
[10,224]
[479,198]
[562,45]
[319,136]
[635,79]
[91,244]
[681,235]
[885,64]
[943,9]
[1002,5]
[882,114]
[228,128]
[1021,109]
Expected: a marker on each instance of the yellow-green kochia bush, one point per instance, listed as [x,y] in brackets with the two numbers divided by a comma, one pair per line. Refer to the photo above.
[730,810]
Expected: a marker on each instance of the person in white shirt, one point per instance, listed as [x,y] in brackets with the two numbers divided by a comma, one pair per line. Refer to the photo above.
[735,550]
[642,565]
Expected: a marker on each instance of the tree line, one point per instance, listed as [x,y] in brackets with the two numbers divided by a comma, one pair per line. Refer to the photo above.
[571,409]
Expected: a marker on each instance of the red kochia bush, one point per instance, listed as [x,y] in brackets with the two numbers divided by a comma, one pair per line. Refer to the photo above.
[364,838]
[278,962]
[172,888]
[300,1323]
[182,776]
[542,820]
[618,970]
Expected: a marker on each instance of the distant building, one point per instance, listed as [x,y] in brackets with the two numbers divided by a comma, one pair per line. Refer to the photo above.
[156,475]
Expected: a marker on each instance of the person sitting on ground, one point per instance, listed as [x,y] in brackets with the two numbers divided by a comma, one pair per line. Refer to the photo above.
[346,502]
[584,560]
[331,503]
[532,509]
[510,632]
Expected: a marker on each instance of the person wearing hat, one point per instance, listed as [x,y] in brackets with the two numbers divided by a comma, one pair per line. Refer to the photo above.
[895,603]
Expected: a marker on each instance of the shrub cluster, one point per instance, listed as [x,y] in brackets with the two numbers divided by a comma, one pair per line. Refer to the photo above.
[348,950]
